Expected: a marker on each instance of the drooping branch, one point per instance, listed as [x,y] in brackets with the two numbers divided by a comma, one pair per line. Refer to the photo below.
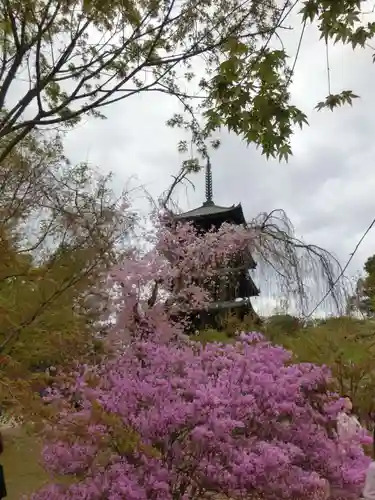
[294,269]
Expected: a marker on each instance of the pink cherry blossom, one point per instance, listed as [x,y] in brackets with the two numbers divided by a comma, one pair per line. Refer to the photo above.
[172,275]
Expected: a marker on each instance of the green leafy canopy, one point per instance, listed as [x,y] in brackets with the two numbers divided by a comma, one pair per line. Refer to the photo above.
[75,58]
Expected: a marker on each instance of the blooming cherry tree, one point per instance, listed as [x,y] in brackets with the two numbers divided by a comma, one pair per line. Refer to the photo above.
[174,276]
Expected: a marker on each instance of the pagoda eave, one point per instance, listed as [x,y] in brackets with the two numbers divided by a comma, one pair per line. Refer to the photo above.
[211,213]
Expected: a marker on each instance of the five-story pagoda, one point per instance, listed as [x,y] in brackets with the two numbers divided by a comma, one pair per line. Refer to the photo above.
[230,296]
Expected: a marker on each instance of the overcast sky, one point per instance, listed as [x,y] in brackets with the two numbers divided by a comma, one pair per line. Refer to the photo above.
[327,188]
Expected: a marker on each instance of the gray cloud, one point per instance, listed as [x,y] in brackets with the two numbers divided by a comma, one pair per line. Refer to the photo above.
[327,188]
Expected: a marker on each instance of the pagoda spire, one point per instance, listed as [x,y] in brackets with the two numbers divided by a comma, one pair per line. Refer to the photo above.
[208,183]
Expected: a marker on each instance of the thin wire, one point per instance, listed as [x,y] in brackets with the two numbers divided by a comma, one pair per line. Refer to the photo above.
[328,69]
[297,53]
[344,269]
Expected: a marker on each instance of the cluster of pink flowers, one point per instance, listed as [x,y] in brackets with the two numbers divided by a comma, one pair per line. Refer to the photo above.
[240,419]
[172,276]
[168,419]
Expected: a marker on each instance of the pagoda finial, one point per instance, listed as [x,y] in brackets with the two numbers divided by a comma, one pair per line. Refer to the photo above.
[208,183]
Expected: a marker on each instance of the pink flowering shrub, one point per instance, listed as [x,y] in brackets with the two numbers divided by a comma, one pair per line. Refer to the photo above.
[175,421]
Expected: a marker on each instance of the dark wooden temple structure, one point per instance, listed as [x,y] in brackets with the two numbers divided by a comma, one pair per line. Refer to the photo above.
[234,287]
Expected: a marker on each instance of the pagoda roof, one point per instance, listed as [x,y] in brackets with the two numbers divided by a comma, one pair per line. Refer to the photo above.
[211,211]
[229,304]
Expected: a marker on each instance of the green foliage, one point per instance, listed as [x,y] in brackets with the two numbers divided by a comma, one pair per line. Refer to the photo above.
[333,101]
[59,229]
[210,335]
[86,56]
[340,20]
[249,95]
[347,346]
[363,300]
[280,325]
[369,282]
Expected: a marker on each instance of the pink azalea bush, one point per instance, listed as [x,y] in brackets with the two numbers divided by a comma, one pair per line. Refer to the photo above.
[168,419]
[174,421]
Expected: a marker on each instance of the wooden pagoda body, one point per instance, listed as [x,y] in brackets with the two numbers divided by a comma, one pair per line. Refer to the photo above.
[233,296]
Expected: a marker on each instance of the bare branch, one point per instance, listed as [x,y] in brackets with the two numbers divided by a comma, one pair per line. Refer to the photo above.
[295,268]
[160,39]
